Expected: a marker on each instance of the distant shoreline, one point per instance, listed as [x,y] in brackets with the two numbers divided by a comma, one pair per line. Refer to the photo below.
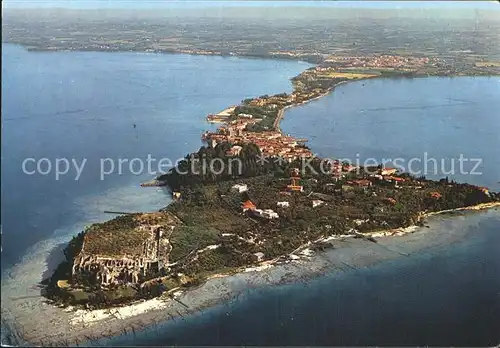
[32,49]
[277,57]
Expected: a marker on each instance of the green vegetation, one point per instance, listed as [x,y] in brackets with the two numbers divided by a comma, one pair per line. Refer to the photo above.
[212,209]
[191,173]
[188,239]
[115,237]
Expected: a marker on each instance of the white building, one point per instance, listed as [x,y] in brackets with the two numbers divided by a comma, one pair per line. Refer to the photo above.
[260,256]
[283,204]
[317,202]
[388,171]
[234,151]
[240,188]
[266,213]
[245,115]
[270,214]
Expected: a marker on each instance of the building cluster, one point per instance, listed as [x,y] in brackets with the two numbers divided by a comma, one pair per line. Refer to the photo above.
[294,54]
[272,102]
[484,190]
[283,100]
[250,208]
[340,170]
[197,51]
[382,61]
[270,143]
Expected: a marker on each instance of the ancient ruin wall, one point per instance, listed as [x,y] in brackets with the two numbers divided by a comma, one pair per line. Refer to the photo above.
[116,269]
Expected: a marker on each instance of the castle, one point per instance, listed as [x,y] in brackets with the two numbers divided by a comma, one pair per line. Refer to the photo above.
[110,256]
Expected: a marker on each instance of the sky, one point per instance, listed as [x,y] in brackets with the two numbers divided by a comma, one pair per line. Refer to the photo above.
[165,4]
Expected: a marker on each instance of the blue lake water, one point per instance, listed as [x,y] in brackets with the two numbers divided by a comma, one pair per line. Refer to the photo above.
[425,119]
[85,105]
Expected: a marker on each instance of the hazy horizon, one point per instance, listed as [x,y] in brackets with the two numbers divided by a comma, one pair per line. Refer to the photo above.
[156,4]
[264,10]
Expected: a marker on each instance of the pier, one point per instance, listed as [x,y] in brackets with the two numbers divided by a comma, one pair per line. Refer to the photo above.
[153,183]
[118,212]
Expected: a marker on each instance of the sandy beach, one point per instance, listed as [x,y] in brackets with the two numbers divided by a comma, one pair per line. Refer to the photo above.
[23,307]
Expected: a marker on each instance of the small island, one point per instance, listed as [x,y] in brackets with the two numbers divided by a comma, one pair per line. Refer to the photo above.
[268,199]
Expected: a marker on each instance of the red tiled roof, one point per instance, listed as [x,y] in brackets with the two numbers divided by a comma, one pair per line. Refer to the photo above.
[248,205]
[436,195]
[394,178]
[362,182]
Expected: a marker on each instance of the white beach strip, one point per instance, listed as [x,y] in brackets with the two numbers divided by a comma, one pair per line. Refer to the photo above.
[337,237]
[394,232]
[93,316]
[261,267]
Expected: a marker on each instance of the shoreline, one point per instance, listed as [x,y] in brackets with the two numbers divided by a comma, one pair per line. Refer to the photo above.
[426,215]
[349,253]
[283,57]
[281,113]
[32,49]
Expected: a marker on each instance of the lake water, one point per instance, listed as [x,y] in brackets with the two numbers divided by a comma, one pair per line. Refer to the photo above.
[425,119]
[129,105]
[96,106]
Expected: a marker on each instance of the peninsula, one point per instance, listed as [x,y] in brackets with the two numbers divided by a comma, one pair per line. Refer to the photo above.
[269,198]
[268,203]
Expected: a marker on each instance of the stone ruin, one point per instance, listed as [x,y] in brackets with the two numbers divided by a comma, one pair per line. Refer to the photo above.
[123,269]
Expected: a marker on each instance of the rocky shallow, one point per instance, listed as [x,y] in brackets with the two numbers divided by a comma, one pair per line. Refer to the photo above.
[34,321]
